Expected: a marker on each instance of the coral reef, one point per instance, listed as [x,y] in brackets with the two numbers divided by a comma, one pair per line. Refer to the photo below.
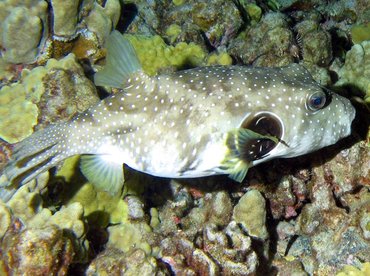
[26,34]
[100,208]
[344,180]
[356,70]
[154,53]
[217,20]
[28,229]
[268,43]
[101,19]
[129,235]
[313,37]
[23,27]
[49,246]
[228,252]
[65,18]
[115,262]
[360,33]
[156,56]
[46,94]
[353,270]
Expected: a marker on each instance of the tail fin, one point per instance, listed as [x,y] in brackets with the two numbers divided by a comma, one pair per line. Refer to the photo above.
[121,62]
[32,156]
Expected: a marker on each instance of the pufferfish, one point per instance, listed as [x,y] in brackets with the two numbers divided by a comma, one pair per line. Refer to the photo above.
[192,123]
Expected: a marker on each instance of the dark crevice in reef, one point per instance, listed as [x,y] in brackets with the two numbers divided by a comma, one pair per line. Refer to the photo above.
[128,13]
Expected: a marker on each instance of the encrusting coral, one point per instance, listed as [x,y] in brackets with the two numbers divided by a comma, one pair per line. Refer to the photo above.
[23,27]
[46,94]
[250,212]
[155,54]
[30,29]
[28,229]
[356,70]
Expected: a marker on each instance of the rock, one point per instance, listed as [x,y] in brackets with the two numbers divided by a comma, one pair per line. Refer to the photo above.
[52,249]
[250,212]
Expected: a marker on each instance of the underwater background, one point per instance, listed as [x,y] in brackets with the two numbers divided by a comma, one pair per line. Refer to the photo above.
[303,216]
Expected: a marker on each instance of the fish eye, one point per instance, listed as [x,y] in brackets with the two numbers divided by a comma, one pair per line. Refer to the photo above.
[316,101]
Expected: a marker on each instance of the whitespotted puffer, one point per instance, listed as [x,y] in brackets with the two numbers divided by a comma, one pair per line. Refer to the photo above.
[192,123]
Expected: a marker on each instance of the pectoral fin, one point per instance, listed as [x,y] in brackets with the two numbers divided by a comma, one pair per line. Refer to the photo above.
[103,174]
[244,146]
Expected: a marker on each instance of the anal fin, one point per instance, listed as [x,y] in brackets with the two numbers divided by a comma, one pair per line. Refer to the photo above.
[104,174]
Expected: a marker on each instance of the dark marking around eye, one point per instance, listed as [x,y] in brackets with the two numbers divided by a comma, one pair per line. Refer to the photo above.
[265,124]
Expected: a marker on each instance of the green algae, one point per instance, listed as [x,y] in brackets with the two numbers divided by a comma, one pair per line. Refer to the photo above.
[360,33]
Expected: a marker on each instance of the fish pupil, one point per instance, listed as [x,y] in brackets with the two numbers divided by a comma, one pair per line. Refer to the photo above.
[316,101]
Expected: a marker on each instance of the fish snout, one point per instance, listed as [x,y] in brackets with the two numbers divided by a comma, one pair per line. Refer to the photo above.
[344,114]
[338,122]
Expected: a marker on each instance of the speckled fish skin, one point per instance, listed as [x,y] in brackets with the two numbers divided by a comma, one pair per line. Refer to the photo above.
[179,132]
[175,125]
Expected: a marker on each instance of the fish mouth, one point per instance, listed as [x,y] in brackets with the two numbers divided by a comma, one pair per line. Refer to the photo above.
[264,123]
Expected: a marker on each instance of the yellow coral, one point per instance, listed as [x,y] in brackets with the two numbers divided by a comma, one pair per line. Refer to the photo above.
[178,2]
[154,53]
[99,207]
[221,59]
[102,209]
[18,109]
[17,115]
[173,32]
[349,270]
[126,236]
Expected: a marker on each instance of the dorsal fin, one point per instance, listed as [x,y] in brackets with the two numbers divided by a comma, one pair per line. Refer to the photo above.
[297,72]
[121,62]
